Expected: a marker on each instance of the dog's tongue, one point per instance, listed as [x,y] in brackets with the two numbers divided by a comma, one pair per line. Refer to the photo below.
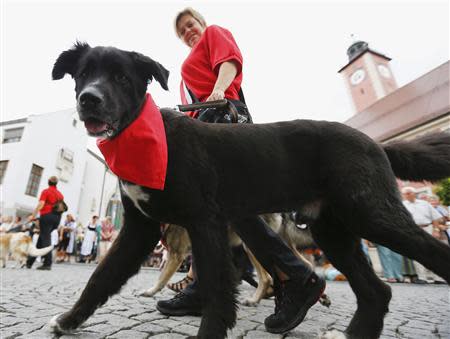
[95,126]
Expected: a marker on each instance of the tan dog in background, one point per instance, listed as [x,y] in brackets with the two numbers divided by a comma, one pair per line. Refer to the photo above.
[20,246]
[286,225]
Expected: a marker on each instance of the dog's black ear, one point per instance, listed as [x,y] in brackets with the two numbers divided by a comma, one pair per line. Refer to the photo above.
[68,60]
[151,69]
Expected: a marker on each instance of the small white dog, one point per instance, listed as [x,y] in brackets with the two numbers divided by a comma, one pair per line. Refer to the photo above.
[20,246]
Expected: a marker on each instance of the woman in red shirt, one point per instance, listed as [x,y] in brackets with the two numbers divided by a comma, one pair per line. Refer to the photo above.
[213,68]
[213,71]
[48,220]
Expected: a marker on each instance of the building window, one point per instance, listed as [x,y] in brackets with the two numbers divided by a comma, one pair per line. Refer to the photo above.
[34,180]
[12,135]
[3,166]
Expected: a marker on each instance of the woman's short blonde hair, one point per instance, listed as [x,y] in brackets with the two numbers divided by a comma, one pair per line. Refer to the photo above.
[193,13]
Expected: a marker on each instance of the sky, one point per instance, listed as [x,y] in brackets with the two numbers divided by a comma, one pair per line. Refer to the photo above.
[292,49]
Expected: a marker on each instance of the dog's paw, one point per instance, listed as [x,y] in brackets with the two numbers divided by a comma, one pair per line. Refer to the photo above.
[334,334]
[55,326]
[147,293]
[325,300]
[249,302]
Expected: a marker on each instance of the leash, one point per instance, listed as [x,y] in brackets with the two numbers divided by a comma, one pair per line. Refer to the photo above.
[220,104]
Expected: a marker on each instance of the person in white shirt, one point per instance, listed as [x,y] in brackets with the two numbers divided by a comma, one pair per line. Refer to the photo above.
[426,217]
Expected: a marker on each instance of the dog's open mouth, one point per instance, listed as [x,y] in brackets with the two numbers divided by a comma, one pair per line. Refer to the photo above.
[97,127]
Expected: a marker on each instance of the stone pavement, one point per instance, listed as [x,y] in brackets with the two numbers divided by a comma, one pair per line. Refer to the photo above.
[29,298]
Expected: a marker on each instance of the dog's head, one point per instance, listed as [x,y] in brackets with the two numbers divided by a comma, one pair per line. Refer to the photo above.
[110,85]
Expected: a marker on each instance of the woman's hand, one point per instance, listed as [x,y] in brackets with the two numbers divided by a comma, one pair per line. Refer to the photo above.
[216,94]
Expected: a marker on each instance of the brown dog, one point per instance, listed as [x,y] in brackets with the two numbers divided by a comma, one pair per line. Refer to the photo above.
[20,246]
[179,245]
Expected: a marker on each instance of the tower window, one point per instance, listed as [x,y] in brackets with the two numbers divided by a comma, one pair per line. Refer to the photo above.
[362,90]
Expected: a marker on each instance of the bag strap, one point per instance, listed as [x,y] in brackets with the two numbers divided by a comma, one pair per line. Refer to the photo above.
[241,96]
[193,96]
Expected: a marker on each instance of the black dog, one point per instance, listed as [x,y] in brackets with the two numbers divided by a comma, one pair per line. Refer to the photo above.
[217,173]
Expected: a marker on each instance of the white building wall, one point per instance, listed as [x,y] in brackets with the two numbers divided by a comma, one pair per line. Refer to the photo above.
[42,140]
[43,137]
[97,178]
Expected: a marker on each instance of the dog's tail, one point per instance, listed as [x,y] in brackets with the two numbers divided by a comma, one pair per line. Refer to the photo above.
[424,158]
[37,252]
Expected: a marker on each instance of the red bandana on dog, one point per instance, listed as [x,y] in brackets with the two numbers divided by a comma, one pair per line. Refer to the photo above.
[139,153]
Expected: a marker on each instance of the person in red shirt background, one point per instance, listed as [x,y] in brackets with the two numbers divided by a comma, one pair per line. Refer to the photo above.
[48,220]
[213,71]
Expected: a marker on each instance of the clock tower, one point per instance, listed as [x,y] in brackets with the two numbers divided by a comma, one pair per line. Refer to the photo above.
[367,75]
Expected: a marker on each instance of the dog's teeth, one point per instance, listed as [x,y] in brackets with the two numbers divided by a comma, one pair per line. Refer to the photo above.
[109,132]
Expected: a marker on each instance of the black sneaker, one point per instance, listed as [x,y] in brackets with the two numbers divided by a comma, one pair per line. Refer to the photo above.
[292,302]
[418,281]
[181,304]
[44,268]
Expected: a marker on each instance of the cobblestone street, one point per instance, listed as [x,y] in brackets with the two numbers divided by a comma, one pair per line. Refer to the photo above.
[29,298]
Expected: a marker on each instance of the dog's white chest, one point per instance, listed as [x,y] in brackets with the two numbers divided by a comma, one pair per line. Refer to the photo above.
[136,194]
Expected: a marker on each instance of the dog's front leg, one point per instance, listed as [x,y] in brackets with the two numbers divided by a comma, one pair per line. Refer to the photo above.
[215,277]
[137,238]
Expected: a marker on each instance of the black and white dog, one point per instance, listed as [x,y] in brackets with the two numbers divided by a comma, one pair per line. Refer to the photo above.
[217,173]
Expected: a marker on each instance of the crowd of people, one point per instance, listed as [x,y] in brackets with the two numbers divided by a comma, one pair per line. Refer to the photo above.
[84,242]
[73,241]
[429,214]
[89,242]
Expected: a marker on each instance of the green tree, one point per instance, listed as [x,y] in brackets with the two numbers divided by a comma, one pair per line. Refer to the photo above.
[443,191]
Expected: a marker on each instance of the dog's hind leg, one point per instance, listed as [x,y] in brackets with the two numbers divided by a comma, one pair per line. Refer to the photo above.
[344,251]
[215,277]
[136,239]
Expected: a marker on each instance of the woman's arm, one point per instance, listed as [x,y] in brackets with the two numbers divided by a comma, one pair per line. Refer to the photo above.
[227,73]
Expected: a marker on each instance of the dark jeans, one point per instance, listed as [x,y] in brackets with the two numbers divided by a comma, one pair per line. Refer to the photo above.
[47,223]
[270,250]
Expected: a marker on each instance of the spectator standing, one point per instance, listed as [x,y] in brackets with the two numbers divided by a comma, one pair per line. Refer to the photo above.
[7,223]
[17,226]
[426,217]
[106,234]
[90,237]
[392,264]
[442,210]
[66,238]
[71,246]
[443,233]
[48,220]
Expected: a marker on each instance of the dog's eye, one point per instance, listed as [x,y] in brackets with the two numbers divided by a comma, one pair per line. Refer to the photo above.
[121,78]
[83,74]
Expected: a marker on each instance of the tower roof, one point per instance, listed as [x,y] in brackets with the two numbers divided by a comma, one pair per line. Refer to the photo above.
[357,49]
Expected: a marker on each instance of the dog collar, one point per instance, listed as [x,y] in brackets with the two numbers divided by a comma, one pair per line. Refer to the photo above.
[139,153]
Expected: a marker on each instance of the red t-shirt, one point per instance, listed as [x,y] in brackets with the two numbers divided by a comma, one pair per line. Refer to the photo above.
[201,68]
[49,196]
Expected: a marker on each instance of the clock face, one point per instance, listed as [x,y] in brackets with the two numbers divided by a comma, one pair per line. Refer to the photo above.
[357,76]
[384,71]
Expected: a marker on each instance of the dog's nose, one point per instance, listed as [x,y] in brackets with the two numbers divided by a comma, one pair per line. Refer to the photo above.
[89,100]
